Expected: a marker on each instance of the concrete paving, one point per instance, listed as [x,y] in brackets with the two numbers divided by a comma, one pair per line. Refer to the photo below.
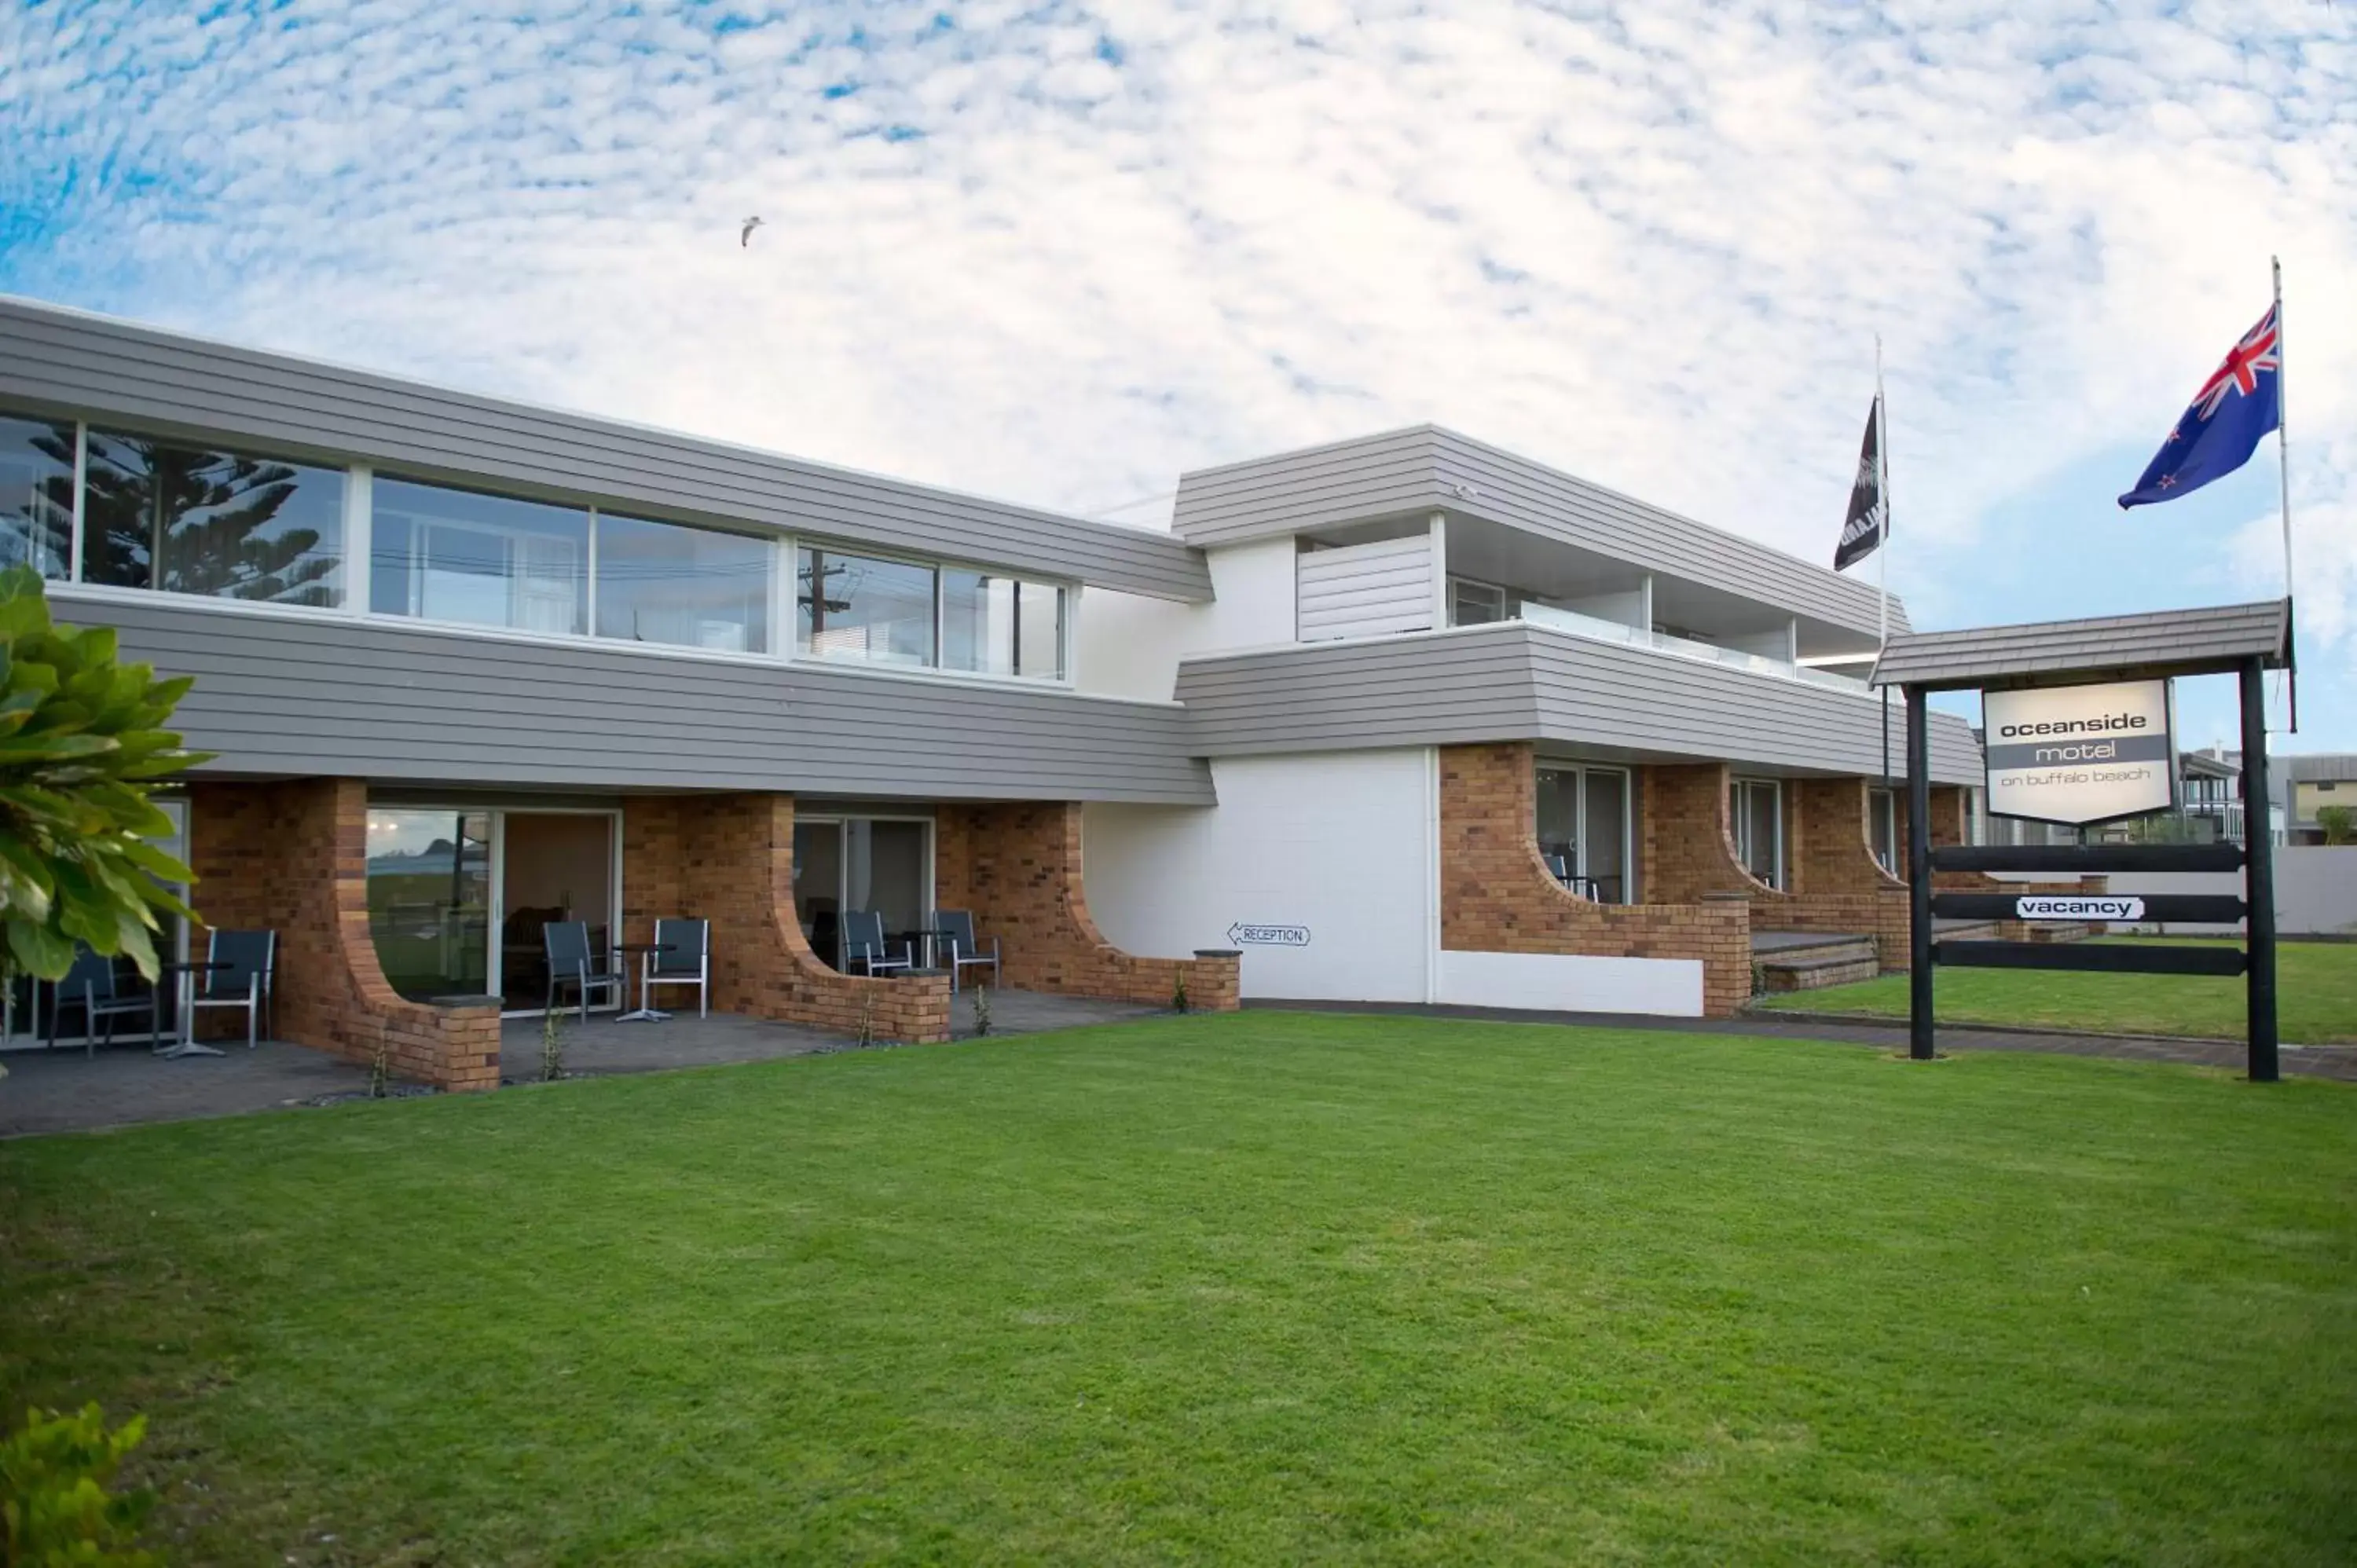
[64,1092]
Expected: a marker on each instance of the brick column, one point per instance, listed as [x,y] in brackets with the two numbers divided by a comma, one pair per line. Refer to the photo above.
[1017,865]
[293,857]
[1497,896]
[730,859]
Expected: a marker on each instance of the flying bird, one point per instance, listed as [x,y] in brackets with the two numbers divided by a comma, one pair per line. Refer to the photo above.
[745,235]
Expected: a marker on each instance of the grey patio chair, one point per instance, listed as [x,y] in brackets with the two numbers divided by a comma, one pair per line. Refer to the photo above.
[682,956]
[570,962]
[955,927]
[93,985]
[863,944]
[247,961]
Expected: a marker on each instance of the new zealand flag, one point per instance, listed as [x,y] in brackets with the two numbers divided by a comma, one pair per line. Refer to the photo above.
[2216,434]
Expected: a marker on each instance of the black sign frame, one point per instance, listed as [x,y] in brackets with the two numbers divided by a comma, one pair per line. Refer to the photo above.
[2255,857]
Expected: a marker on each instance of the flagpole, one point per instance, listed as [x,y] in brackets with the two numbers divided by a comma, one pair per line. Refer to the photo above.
[2283,468]
[1882,556]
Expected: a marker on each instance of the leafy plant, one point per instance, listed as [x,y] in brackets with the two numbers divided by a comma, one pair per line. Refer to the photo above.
[552,1047]
[2339,823]
[981,1010]
[1179,993]
[381,1060]
[868,1013]
[55,1508]
[79,735]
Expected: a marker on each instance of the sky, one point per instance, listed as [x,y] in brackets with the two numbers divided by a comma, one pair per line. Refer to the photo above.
[1059,254]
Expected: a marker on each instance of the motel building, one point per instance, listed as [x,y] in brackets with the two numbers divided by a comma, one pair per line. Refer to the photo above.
[1403,719]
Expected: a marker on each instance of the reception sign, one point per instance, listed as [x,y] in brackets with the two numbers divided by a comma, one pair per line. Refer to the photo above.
[2079,754]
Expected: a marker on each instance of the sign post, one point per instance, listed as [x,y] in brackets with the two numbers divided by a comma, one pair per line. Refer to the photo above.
[2076,728]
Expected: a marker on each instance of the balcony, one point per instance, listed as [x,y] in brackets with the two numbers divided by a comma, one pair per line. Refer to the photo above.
[1601,630]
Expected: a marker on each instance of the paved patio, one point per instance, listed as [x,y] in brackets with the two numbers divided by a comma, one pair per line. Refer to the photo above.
[64,1092]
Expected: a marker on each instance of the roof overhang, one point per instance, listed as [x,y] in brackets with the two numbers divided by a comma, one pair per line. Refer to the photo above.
[2161,645]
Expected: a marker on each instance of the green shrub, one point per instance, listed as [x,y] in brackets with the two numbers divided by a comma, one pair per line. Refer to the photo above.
[2339,823]
[82,735]
[55,1506]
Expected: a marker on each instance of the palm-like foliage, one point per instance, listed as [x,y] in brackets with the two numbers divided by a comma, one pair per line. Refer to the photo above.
[79,736]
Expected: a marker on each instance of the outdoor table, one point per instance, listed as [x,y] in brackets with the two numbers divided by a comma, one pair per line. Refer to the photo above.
[645,1013]
[185,971]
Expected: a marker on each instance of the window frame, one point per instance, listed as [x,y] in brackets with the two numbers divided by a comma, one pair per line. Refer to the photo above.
[1739,826]
[1579,772]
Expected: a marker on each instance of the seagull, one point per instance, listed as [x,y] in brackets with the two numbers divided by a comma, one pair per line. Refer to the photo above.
[745,235]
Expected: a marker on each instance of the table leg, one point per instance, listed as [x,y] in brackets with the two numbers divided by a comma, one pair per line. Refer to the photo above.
[186,1045]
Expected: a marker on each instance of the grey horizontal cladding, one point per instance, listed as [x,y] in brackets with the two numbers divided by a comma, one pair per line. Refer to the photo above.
[315,695]
[2156,644]
[1513,682]
[59,361]
[2321,767]
[1427,469]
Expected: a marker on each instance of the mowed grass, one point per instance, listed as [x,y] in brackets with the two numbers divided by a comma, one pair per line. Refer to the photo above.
[1261,1288]
[2316,997]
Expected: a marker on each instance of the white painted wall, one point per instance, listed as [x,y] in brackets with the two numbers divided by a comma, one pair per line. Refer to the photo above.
[1344,845]
[1128,645]
[2316,891]
[1563,983]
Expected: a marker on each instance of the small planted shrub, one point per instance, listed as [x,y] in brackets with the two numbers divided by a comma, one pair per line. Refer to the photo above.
[1179,993]
[866,1035]
[980,1010]
[57,1505]
[552,1047]
[381,1060]
[2339,823]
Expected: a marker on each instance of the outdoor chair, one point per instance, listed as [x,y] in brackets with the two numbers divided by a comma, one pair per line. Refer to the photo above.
[571,962]
[863,944]
[91,985]
[688,962]
[247,960]
[955,927]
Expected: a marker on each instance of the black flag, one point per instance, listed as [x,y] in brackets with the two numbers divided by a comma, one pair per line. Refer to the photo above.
[1868,523]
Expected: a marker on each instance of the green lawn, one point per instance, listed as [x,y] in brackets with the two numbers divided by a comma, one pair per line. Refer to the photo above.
[1263,1288]
[2316,997]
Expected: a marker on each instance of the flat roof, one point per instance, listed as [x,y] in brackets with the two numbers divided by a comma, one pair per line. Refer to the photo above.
[2159,644]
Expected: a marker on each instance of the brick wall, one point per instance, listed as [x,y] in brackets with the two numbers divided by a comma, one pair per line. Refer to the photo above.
[1496,895]
[1017,865]
[728,859]
[293,857]
[1833,883]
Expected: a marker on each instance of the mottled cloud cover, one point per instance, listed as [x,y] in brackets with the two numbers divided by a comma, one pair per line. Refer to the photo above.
[1060,254]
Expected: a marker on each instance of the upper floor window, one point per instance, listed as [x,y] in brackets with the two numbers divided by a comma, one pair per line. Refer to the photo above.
[1477,604]
[658,581]
[193,520]
[1000,626]
[861,608]
[449,554]
[36,473]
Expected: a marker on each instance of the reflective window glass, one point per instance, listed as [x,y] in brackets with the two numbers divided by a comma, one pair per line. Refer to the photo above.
[37,463]
[858,608]
[190,520]
[460,555]
[998,626]
[658,581]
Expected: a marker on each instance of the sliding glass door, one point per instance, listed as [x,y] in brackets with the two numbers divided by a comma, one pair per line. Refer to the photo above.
[1583,829]
[459,899]
[860,864]
[1756,813]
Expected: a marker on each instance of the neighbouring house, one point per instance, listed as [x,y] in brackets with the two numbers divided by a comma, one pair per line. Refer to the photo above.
[2314,782]
[1406,718]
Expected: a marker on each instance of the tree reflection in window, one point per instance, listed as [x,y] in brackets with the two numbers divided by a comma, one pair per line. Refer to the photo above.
[189,521]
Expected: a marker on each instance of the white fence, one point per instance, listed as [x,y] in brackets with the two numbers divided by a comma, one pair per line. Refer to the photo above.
[2316,891]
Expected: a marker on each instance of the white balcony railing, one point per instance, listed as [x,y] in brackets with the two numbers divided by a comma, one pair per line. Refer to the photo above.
[1598,629]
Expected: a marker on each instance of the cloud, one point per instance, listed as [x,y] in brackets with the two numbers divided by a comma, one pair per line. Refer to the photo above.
[1062,254]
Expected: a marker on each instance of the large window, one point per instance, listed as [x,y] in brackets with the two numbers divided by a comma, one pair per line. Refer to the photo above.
[1756,809]
[1884,825]
[865,610]
[37,467]
[1583,830]
[660,583]
[446,554]
[191,519]
[1000,626]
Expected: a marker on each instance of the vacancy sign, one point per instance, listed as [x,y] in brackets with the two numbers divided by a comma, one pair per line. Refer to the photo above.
[2079,754]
